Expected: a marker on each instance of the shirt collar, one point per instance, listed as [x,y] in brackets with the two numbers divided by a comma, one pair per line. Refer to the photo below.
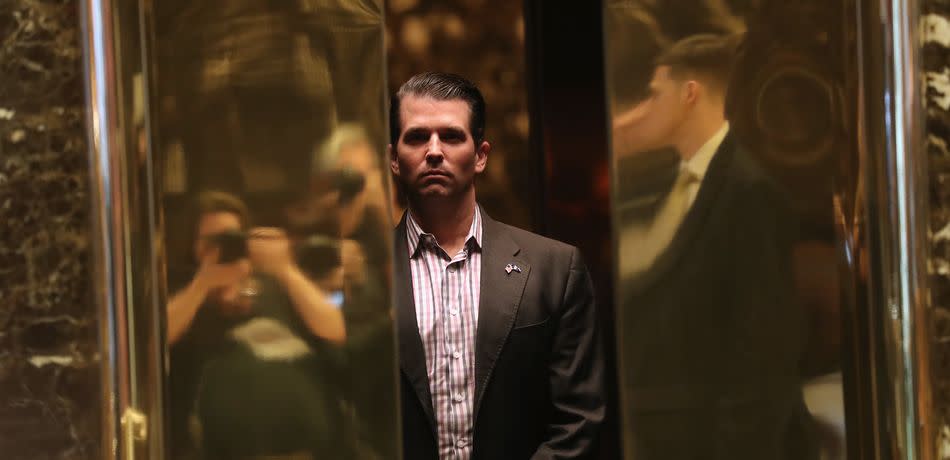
[699,163]
[415,236]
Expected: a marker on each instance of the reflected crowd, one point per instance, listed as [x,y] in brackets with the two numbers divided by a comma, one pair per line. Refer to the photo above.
[264,319]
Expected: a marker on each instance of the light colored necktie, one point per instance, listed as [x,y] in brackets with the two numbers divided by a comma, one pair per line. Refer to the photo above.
[660,232]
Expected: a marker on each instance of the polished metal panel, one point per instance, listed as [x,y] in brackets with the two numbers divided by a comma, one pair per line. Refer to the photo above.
[99,107]
[286,349]
[737,249]
[128,263]
[270,138]
[892,144]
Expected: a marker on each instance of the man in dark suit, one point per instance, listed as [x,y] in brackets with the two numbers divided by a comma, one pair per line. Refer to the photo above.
[498,348]
[710,334]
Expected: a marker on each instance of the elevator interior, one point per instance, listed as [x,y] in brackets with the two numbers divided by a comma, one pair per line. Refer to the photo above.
[230,130]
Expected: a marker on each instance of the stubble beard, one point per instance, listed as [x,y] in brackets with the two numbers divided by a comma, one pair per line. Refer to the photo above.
[441,197]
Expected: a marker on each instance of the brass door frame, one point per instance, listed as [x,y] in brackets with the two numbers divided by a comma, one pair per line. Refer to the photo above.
[890,140]
[127,257]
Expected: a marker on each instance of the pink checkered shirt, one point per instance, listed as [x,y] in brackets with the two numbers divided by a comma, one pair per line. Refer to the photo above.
[446,291]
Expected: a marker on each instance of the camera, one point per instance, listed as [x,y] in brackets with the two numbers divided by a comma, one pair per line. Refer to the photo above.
[318,254]
[349,182]
[232,245]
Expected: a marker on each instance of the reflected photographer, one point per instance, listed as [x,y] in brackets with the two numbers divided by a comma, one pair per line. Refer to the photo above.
[338,221]
[347,193]
[252,339]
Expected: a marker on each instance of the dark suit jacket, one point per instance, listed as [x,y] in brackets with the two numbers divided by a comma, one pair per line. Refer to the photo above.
[711,336]
[538,364]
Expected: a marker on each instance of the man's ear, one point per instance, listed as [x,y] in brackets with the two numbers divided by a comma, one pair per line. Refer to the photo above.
[481,156]
[393,159]
[691,91]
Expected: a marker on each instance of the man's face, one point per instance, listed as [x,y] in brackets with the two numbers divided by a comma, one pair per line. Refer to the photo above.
[227,298]
[654,123]
[436,156]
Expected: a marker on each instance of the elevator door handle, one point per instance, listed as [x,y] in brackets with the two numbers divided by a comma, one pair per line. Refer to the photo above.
[135,429]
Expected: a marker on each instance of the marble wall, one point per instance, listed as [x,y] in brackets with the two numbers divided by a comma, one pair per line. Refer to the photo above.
[936,61]
[49,376]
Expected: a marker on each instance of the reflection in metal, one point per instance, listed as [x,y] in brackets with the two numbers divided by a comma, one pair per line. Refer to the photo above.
[897,183]
[271,141]
[101,191]
[281,106]
[733,333]
[128,266]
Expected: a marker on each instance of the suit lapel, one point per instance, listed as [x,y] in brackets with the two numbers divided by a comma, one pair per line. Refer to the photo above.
[499,299]
[695,218]
[412,358]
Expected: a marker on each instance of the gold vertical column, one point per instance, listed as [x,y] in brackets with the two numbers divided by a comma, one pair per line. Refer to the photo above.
[895,170]
[126,261]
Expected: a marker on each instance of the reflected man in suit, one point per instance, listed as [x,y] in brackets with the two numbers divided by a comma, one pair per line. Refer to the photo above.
[498,349]
[710,333]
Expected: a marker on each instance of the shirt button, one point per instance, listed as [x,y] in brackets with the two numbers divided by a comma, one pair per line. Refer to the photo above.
[458,397]
[457,354]
[460,443]
[454,312]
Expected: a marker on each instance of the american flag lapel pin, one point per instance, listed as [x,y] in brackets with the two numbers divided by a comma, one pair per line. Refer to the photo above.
[511,267]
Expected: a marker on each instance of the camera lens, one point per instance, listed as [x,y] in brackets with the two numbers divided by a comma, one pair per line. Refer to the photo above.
[349,183]
[232,246]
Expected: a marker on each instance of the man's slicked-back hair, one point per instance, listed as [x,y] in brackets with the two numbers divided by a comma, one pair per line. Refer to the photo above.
[707,57]
[442,87]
